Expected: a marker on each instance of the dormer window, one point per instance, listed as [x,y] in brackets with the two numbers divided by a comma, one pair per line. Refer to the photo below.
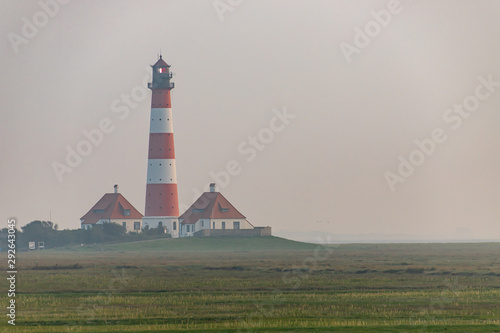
[126,212]
[222,209]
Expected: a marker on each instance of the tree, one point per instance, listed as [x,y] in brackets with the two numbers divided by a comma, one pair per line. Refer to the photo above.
[46,227]
[113,230]
[40,231]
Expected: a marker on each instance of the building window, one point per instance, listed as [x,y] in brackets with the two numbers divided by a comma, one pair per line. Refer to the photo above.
[223,225]
[213,225]
[137,225]
[124,224]
[175,225]
[236,225]
[160,224]
[126,212]
[202,223]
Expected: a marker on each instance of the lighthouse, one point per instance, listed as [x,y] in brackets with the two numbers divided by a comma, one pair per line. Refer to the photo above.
[162,203]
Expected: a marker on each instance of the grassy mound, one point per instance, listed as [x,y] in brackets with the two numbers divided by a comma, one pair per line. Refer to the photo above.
[213,244]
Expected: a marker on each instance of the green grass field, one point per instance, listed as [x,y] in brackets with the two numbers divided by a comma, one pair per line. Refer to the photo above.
[258,285]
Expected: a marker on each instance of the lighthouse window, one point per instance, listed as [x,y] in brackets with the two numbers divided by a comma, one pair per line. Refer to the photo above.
[175,225]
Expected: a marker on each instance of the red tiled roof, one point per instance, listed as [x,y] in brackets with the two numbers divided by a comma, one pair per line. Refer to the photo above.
[161,63]
[111,206]
[210,205]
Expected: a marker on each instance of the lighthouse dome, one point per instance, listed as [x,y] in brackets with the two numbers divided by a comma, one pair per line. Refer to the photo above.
[161,63]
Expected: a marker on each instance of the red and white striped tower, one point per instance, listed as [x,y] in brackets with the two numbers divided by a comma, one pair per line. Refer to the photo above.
[162,203]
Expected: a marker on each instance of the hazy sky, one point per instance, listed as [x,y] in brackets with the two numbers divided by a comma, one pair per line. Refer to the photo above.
[235,64]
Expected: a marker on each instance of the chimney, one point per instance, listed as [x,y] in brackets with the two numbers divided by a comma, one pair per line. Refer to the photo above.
[116,188]
[212,187]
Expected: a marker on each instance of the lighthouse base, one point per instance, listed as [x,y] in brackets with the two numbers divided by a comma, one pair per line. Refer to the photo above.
[171,223]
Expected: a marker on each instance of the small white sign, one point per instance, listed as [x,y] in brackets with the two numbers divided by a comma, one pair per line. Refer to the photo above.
[32,245]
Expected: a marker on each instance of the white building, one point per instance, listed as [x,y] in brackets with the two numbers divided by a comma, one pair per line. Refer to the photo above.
[113,208]
[212,211]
